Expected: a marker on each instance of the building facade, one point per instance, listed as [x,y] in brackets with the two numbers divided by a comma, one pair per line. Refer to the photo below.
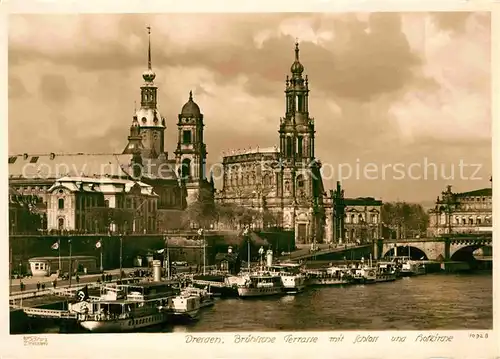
[85,204]
[466,212]
[285,180]
[144,160]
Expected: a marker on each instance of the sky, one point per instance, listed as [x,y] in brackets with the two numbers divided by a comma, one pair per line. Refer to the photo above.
[391,93]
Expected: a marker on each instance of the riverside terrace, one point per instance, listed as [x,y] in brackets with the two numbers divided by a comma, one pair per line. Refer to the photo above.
[450,247]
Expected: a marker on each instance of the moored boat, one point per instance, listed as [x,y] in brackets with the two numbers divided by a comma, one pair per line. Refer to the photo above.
[412,268]
[328,276]
[206,297]
[260,285]
[127,307]
[292,279]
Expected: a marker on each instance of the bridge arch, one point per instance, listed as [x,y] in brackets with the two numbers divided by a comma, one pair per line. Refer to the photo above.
[411,251]
[466,253]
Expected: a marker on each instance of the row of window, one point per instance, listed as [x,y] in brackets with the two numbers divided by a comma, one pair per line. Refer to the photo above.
[299,147]
[352,218]
[475,199]
[89,202]
[296,103]
[467,221]
[41,266]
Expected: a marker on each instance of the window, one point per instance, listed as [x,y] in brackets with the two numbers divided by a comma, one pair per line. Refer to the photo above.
[300,181]
[12,159]
[186,168]
[299,146]
[478,221]
[34,159]
[288,146]
[186,136]
[300,103]
[61,203]
[61,223]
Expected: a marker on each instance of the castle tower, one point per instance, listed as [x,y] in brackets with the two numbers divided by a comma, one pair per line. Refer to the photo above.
[151,123]
[298,189]
[191,153]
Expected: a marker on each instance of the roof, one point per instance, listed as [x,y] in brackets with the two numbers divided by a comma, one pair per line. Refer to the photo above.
[240,152]
[52,166]
[159,168]
[103,185]
[362,201]
[484,192]
[190,108]
[62,257]
[230,257]
[149,117]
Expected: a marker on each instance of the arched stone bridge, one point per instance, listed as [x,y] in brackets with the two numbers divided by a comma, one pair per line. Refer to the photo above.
[455,248]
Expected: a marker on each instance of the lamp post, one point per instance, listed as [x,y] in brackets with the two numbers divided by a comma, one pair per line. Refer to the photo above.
[201,233]
[245,234]
[101,267]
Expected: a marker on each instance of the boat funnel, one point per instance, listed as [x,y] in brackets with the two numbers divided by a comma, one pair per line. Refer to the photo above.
[156,270]
[269,258]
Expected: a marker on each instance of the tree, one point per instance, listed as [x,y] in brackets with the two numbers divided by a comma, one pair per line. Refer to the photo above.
[405,218]
[122,218]
[201,212]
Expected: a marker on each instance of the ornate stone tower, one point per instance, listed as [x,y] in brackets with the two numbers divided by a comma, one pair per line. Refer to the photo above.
[191,153]
[151,123]
[298,188]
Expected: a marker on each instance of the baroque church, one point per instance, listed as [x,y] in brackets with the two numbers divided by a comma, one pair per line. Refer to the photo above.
[176,181]
[283,182]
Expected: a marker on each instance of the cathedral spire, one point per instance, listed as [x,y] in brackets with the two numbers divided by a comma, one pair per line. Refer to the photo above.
[149,47]
[149,75]
[297,69]
[297,49]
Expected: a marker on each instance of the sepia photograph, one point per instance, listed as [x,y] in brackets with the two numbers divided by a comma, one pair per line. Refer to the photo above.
[250,172]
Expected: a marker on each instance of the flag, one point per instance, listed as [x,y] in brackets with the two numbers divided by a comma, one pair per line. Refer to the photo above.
[83,294]
[98,244]
[55,245]
[160,250]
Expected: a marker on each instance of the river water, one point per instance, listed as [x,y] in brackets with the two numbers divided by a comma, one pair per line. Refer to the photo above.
[429,302]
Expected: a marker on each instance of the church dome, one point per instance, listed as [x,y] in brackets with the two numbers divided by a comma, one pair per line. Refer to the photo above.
[148,75]
[190,108]
[297,67]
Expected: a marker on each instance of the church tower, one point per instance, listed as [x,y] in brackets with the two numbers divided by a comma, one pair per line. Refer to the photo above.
[151,123]
[191,153]
[298,187]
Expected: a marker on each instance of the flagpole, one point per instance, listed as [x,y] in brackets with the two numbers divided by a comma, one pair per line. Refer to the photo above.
[59,248]
[70,264]
[10,269]
[100,247]
[204,252]
[121,255]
